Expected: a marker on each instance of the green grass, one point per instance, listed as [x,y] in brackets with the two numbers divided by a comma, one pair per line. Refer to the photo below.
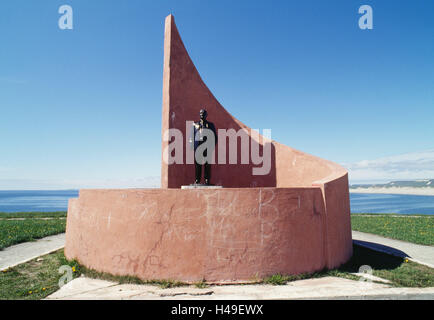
[410,228]
[279,279]
[17,231]
[167,283]
[409,274]
[201,284]
[394,269]
[34,280]
[13,215]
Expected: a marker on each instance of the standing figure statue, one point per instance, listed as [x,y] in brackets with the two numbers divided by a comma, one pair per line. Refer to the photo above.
[200,132]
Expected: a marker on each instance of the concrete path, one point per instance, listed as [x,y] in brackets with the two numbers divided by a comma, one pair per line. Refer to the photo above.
[322,288]
[418,253]
[23,252]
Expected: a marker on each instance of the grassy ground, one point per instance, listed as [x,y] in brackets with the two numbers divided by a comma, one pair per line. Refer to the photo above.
[39,278]
[401,272]
[25,215]
[410,228]
[14,231]
[35,279]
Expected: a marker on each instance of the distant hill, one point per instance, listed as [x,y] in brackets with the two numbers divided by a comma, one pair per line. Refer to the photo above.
[429,183]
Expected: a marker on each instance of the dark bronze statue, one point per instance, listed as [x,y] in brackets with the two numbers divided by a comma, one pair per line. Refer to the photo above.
[198,137]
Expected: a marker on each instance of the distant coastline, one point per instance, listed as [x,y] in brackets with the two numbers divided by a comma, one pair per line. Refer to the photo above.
[425,191]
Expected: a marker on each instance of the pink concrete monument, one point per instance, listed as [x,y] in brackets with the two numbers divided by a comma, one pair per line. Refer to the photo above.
[294,218]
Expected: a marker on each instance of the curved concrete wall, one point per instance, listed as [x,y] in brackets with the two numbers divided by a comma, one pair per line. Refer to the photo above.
[295,219]
[224,235]
[185,93]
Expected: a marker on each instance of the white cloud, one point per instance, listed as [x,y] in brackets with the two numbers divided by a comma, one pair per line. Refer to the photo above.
[409,166]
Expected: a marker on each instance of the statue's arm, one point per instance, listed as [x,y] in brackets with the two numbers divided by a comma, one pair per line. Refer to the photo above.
[215,132]
[192,136]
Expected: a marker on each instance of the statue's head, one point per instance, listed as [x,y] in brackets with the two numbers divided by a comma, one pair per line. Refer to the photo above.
[203,114]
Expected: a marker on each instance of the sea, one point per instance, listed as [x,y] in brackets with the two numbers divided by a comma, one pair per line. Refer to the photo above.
[35,201]
[391,203]
[57,200]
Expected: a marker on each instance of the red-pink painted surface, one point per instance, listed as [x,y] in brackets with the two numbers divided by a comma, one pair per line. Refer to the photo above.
[295,219]
[218,235]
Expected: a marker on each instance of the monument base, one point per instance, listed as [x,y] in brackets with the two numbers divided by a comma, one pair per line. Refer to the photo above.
[212,234]
[201,186]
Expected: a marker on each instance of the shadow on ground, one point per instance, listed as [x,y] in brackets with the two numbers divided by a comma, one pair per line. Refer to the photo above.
[382,248]
[376,260]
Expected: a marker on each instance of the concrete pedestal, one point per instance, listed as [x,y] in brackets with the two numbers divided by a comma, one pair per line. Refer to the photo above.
[200,186]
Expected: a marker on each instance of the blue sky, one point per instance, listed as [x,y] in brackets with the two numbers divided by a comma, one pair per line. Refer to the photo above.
[83,106]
